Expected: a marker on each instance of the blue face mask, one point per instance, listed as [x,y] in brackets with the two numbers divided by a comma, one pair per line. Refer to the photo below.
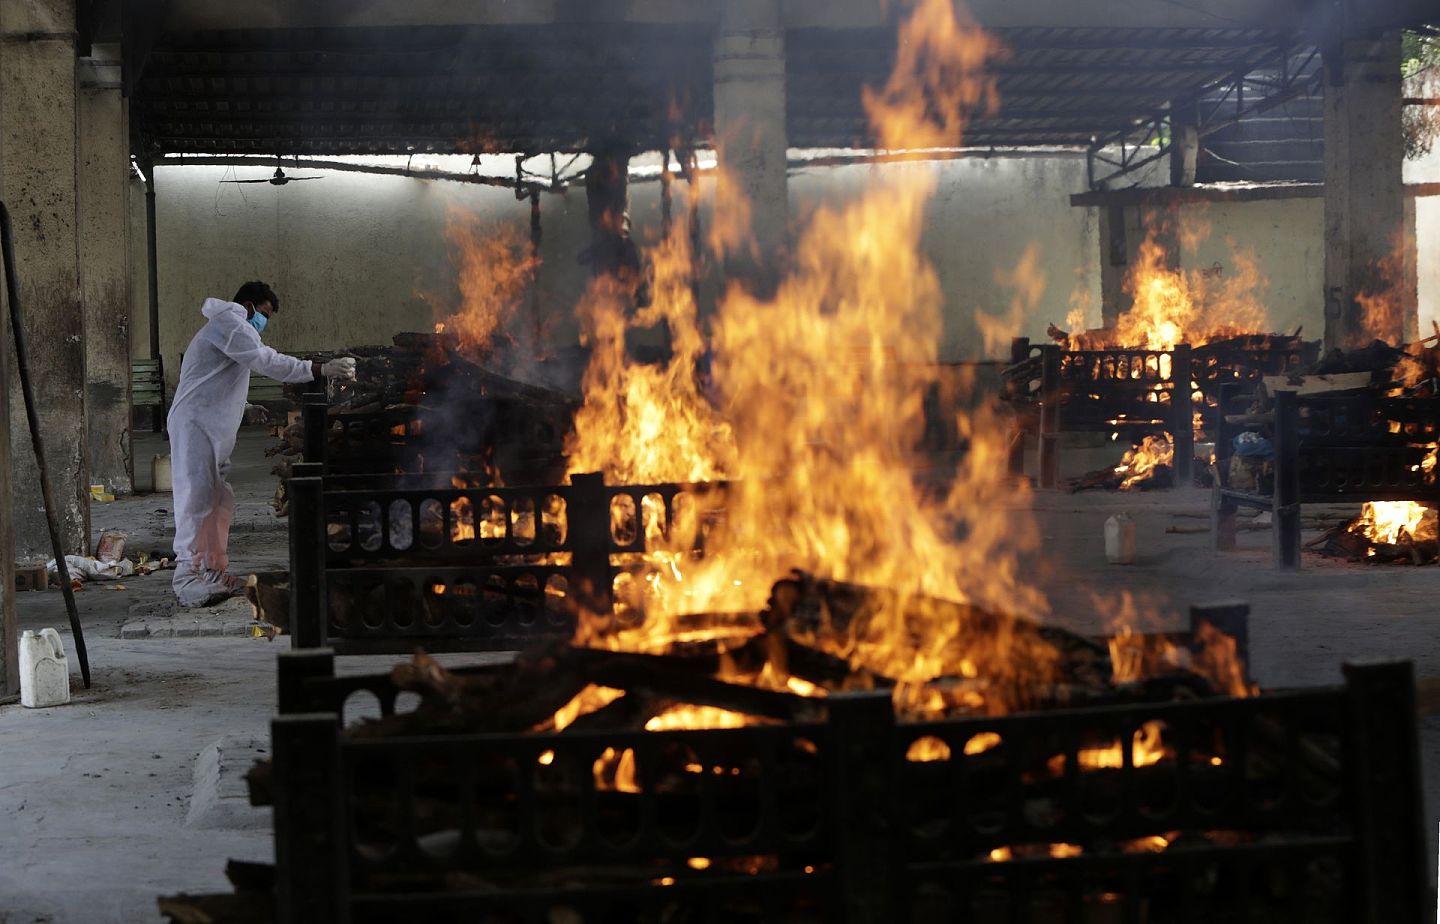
[258,321]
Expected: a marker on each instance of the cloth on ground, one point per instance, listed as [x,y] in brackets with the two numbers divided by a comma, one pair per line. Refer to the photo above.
[209,405]
[91,569]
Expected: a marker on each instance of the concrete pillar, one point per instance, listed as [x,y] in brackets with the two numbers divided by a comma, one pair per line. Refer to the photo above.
[38,181]
[751,140]
[1184,142]
[1368,252]
[9,629]
[105,268]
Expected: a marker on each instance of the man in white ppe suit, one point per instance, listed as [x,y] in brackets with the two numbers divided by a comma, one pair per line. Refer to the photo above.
[204,420]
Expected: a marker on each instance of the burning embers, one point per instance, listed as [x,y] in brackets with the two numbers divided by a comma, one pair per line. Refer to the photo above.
[1146,465]
[1385,532]
[785,662]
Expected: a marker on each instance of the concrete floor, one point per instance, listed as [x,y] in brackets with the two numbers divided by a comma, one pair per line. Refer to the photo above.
[95,794]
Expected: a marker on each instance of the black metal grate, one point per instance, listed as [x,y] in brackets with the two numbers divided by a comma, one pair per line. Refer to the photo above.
[1119,390]
[1286,807]
[383,564]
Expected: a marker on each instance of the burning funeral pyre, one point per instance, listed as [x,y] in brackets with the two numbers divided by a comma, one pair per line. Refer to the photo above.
[829,571]
[812,425]
[426,405]
[1213,316]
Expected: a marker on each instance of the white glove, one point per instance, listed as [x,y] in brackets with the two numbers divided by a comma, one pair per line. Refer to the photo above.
[342,368]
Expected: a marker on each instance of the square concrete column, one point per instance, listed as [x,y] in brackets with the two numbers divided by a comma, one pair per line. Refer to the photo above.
[105,267]
[9,630]
[1369,253]
[38,184]
[751,139]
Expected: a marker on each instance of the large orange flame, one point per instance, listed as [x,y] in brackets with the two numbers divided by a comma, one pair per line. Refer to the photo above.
[1173,306]
[822,384]
[814,418]
[647,423]
[494,270]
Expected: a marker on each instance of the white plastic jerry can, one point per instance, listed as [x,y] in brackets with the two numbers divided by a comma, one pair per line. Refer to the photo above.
[1120,539]
[44,670]
[161,474]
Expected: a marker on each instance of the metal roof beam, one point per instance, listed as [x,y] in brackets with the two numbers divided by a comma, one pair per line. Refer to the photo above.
[836,14]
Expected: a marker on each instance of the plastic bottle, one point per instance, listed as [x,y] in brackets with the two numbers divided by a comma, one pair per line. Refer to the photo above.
[44,670]
[160,466]
[1120,539]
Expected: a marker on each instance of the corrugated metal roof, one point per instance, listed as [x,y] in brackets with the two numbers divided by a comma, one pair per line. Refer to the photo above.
[556,87]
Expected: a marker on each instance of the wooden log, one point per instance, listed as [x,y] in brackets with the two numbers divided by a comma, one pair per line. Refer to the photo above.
[659,675]
[260,783]
[543,680]
[248,876]
[1317,384]
[269,596]
[628,713]
[1013,655]
[245,908]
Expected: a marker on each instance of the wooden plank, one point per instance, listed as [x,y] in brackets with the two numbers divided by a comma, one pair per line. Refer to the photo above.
[1317,384]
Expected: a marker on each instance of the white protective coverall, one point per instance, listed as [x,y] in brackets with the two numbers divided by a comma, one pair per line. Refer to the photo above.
[209,406]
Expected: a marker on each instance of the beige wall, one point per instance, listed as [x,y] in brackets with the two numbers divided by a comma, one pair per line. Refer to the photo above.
[356,258]
[1427,238]
[1286,238]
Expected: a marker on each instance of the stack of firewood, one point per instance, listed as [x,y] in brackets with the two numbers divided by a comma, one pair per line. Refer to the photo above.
[801,633]
[461,416]
[741,668]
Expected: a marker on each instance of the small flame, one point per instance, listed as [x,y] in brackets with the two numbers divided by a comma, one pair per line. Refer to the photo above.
[1154,843]
[615,771]
[1386,300]
[584,703]
[927,749]
[696,717]
[981,743]
[1394,522]
[1141,461]
[1147,748]
[1172,306]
